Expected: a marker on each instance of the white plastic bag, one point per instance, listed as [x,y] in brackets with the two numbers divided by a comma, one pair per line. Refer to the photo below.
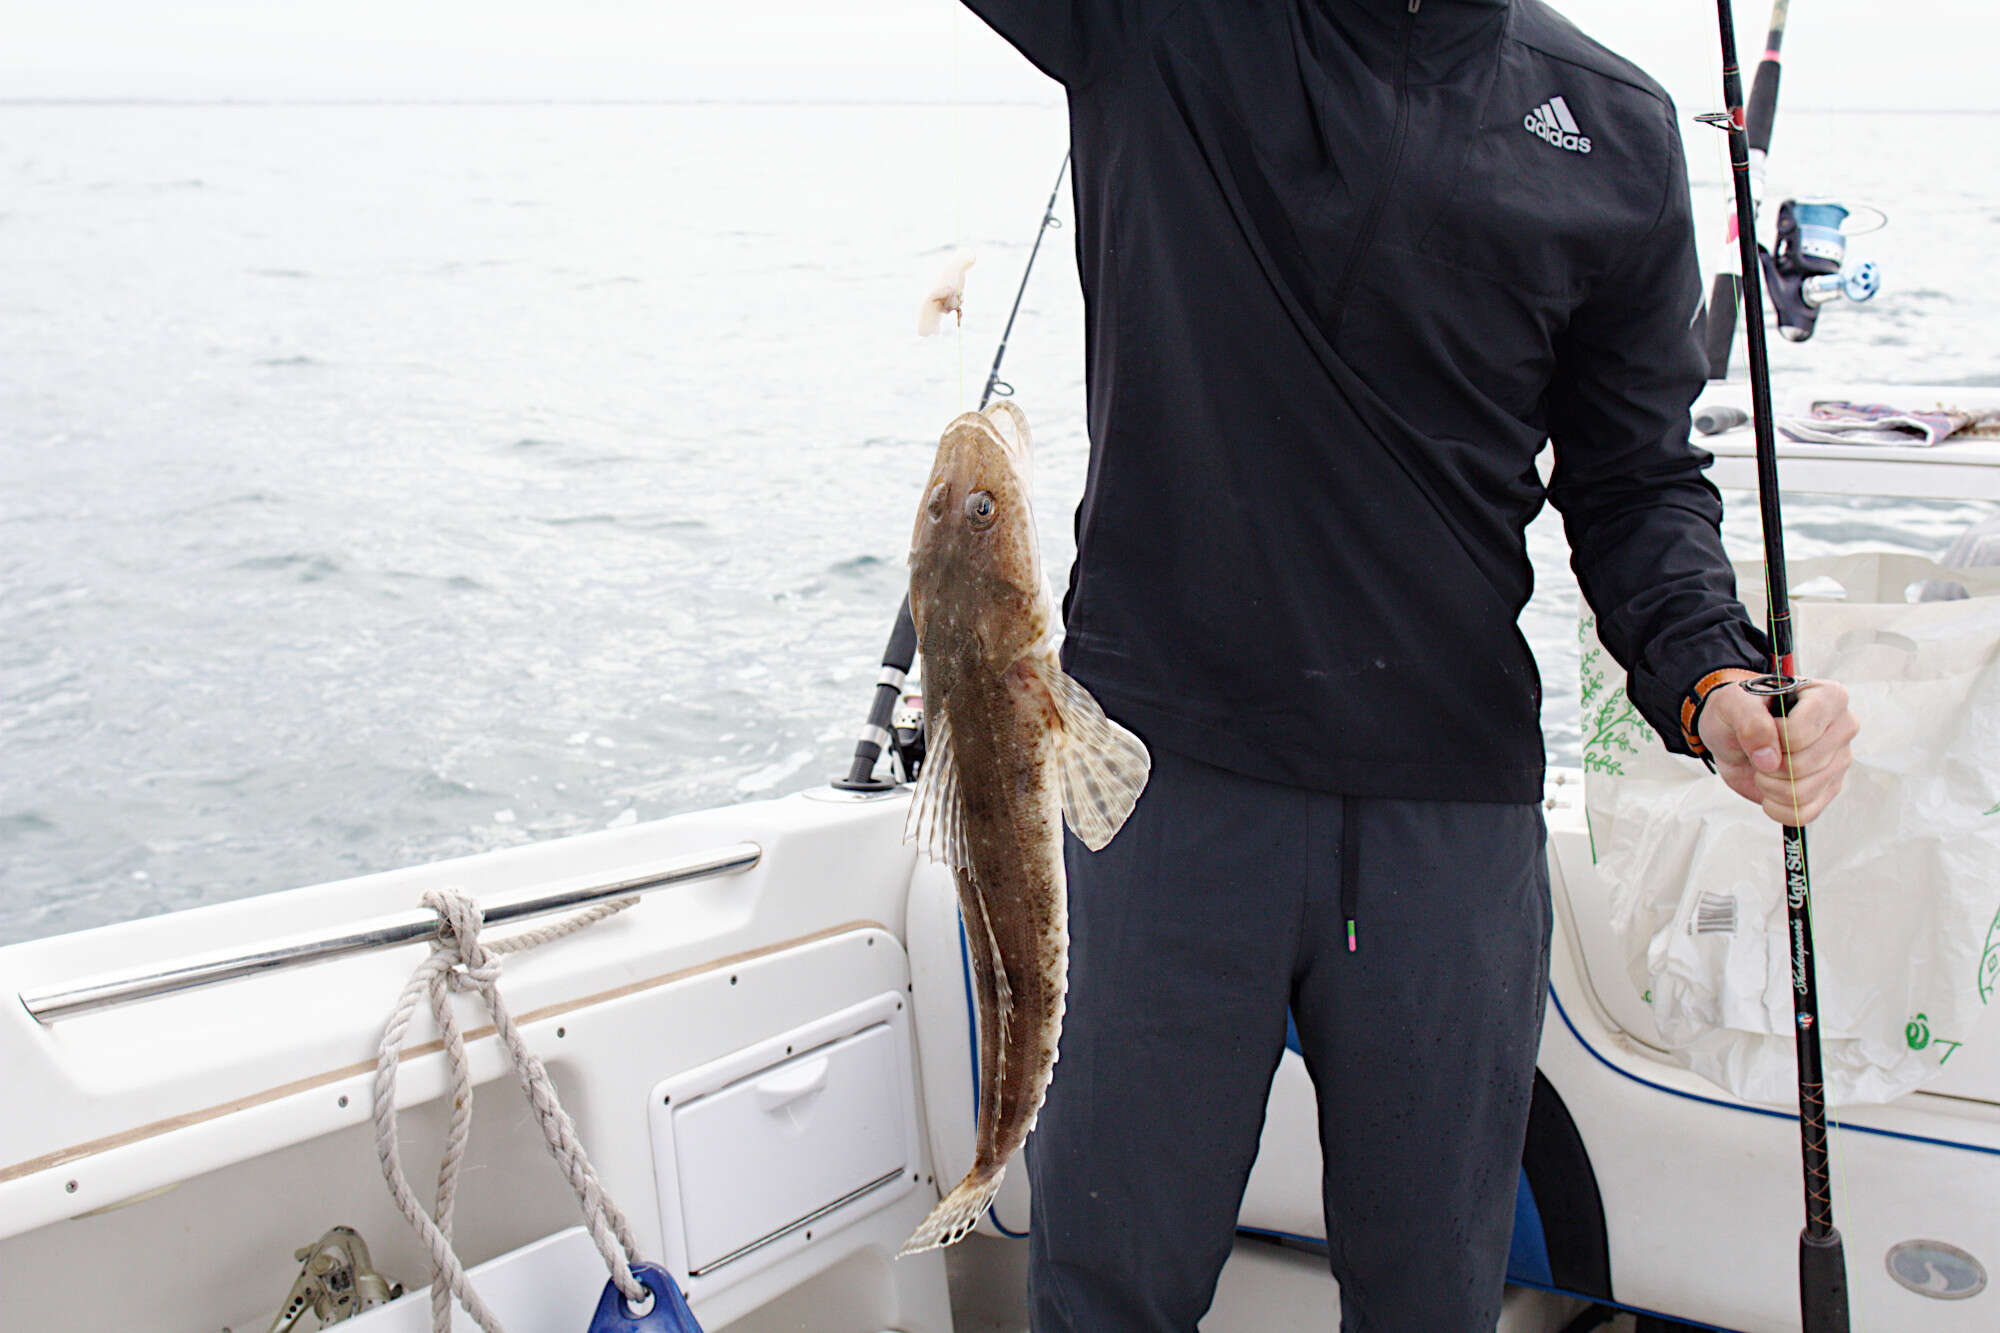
[1905,864]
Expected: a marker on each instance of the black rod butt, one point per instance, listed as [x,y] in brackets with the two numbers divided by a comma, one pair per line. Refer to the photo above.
[896,659]
[1823,1282]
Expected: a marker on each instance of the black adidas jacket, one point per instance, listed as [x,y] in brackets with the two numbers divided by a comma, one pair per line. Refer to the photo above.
[1347,264]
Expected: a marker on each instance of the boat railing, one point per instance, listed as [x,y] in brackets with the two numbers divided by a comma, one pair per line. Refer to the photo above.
[129,986]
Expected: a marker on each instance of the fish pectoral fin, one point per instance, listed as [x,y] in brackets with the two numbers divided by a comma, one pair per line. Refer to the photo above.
[1103,766]
[937,811]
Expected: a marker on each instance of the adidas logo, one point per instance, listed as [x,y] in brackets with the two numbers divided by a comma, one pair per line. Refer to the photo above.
[1552,122]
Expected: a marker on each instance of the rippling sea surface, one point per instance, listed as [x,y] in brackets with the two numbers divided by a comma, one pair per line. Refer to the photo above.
[386,483]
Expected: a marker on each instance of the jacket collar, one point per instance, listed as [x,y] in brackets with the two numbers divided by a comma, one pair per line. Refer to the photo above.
[1430,41]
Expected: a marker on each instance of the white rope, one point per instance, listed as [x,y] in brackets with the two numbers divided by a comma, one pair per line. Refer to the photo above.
[460,960]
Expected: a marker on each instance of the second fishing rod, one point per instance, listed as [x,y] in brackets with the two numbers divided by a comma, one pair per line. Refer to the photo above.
[901,651]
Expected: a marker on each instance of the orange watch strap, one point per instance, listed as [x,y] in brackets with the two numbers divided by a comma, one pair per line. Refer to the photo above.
[1691,706]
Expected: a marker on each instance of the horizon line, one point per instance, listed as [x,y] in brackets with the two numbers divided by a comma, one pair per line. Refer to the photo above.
[526,101]
[743,101]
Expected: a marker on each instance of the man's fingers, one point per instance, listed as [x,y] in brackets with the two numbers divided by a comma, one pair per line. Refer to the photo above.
[1800,809]
[1816,707]
[1791,767]
[1817,736]
[1825,744]
[1811,777]
[1798,802]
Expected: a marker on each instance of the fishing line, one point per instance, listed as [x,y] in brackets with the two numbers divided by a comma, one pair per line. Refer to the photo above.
[958,185]
[1833,1125]
[1835,1131]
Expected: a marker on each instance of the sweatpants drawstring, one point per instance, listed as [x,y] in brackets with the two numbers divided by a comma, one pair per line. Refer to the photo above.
[1350,865]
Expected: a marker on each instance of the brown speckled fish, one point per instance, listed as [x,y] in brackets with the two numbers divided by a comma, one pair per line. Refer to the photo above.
[1014,746]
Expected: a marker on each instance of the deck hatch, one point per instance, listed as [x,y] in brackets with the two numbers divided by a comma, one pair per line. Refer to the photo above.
[769,1150]
[779,1146]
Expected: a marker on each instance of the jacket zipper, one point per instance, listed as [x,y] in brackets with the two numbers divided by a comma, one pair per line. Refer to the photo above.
[1338,308]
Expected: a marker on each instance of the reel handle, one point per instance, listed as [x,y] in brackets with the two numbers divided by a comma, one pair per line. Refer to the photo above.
[1776,691]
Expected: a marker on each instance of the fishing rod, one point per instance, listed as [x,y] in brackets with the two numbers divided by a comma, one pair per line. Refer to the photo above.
[901,651]
[1822,1263]
[994,384]
[1719,327]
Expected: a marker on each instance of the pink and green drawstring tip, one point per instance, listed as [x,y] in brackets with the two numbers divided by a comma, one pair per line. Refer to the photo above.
[1350,935]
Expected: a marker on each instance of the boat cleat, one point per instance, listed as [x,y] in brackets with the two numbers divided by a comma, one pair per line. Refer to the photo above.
[336,1282]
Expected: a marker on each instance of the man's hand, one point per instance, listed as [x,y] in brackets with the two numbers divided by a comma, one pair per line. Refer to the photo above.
[1793,766]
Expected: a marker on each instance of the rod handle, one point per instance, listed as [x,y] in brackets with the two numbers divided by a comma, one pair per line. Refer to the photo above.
[896,659]
[1823,1282]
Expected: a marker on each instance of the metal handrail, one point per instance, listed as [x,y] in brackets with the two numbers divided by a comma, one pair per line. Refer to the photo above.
[127,987]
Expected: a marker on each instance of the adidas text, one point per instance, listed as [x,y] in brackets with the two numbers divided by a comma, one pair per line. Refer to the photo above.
[1552,123]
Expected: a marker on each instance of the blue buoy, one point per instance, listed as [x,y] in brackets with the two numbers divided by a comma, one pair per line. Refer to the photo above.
[670,1313]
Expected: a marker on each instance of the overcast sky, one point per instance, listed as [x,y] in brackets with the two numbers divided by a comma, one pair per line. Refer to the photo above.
[1911,54]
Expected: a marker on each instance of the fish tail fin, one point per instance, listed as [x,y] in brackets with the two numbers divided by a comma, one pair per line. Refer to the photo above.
[956,1214]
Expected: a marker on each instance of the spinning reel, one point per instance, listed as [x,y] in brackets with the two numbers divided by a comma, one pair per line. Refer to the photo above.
[1807,268]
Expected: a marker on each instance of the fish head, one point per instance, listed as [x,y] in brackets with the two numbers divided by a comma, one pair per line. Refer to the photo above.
[975,567]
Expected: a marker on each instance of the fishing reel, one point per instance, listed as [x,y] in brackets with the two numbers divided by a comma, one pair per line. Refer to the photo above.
[1807,266]
[906,736]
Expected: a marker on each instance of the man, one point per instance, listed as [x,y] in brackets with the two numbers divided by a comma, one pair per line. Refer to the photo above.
[1347,265]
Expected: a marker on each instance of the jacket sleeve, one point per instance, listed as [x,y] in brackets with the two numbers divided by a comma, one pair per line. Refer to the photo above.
[1642,519]
[1071,41]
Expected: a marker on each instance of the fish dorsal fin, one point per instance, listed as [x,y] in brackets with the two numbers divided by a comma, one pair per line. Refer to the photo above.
[1103,766]
[937,811]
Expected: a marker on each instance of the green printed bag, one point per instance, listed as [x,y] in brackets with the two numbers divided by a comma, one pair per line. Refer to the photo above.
[1905,863]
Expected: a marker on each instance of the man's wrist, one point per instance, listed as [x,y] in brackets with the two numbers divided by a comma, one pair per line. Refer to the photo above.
[1697,699]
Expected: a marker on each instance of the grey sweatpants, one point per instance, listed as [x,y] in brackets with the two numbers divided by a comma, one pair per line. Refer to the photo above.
[1218,905]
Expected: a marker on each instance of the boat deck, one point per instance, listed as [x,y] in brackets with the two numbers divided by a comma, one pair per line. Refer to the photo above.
[1264,1286]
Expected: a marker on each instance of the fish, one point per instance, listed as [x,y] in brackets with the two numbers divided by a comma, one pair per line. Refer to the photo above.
[1014,748]
[946,296]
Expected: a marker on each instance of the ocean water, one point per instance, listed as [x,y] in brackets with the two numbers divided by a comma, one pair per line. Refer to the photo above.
[382,483]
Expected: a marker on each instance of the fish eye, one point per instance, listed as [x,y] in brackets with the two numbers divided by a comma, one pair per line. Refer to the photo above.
[980,509]
[935,505]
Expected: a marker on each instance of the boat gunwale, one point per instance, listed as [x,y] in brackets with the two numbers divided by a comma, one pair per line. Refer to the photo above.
[187,1119]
